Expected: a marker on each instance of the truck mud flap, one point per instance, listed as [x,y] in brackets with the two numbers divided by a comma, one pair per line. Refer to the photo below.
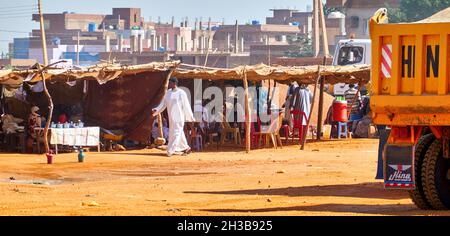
[398,163]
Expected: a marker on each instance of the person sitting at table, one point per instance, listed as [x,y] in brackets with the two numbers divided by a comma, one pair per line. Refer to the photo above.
[34,121]
[62,118]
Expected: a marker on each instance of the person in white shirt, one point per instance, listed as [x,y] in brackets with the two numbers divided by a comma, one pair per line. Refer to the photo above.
[179,110]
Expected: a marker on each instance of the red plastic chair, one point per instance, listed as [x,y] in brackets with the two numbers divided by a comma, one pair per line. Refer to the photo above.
[254,134]
[297,119]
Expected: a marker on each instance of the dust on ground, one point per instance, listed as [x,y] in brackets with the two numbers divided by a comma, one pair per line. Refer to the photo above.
[328,178]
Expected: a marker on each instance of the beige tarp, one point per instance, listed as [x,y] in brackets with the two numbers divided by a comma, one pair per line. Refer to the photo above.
[440,17]
[301,74]
[105,73]
[101,73]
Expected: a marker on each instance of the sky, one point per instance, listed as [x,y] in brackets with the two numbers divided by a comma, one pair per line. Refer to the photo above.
[15,15]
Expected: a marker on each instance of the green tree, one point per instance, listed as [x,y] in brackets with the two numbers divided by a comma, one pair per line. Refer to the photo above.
[415,10]
[303,46]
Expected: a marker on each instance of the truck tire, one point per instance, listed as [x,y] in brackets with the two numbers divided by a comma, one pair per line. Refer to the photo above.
[436,186]
[417,195]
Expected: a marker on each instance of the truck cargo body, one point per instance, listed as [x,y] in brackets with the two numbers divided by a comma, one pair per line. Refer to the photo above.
[411,95]
[410,74]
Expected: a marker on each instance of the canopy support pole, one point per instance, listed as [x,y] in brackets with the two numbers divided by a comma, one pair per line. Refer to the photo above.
[305,132]
[247,115]
[320,111]
[50,113]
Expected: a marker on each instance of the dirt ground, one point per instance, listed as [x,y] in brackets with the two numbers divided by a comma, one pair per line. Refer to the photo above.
[328,178]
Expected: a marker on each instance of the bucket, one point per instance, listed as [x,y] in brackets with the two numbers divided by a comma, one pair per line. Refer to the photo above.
[80,155]
[340,111]
[49,158]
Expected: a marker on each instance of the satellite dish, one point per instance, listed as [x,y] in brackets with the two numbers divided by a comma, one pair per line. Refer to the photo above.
[56,41]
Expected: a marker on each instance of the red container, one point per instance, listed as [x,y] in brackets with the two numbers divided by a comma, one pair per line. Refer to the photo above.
[340,111]
[49,158]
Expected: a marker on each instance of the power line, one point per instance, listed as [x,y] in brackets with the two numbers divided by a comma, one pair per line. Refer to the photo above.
[22,6]
[18,10]
[13,31]
[16,16]
[21,13]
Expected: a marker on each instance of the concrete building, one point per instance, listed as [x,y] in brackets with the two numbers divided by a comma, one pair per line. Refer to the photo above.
[304,21]
[249,35]
[292,17]
[17,63]
[358,13]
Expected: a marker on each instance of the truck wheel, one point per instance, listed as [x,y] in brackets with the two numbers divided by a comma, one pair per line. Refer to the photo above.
[436,185]
[417,195]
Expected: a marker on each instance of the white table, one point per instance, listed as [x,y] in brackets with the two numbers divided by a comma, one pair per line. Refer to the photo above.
[82,137]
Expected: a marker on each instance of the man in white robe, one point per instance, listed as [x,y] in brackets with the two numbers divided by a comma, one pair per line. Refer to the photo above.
[179,110]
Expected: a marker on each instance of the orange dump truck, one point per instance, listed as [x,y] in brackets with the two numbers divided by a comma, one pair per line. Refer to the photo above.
[411,95]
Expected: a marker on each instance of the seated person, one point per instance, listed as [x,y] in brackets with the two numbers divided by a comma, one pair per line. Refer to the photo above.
[62,118]
[34,121]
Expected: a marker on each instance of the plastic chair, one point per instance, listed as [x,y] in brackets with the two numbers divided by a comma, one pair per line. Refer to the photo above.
[227,129]
[197,142]
[272,133]
[297,119]
[342,129]
[254,133]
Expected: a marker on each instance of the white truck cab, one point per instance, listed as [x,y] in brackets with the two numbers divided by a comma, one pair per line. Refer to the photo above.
[351,52]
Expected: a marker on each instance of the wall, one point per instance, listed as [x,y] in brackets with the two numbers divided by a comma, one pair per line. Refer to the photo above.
[21,48]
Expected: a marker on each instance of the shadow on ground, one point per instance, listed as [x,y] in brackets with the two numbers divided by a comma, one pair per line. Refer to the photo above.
[388,209]
[361,190]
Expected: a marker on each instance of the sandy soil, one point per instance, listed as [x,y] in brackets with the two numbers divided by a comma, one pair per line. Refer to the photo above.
[328,178]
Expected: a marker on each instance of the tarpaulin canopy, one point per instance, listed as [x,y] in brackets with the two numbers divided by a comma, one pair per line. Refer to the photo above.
[105,73]
[351,74]
[126,103]
[102,73]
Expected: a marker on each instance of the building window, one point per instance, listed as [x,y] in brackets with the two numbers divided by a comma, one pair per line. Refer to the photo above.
[366,27]
[350,55]
[135,18]
[354,22]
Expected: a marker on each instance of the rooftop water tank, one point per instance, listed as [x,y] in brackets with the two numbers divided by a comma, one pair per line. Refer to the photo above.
[56,41]
[256,22]
[92,27]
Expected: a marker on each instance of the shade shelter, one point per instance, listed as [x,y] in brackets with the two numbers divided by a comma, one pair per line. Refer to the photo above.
[115,75]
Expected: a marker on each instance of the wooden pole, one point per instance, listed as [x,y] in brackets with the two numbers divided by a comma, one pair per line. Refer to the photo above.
[50,113]
[78,48]
[160,126]
[326,51]
[43,38]
[311,110]
[50,106]
[247,115]
[236,38]
[316,36]
[320,111]
[47,94]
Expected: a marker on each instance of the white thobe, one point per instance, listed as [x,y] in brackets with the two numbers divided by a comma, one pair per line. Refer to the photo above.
[179,111]
[305,100]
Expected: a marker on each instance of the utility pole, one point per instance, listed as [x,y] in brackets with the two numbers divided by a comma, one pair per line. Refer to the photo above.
[236,39]
[42,72]
[43,38]
[326,51]
[78,48]
[316,34]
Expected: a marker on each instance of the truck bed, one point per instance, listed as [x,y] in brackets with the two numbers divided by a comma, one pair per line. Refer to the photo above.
[410,76]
